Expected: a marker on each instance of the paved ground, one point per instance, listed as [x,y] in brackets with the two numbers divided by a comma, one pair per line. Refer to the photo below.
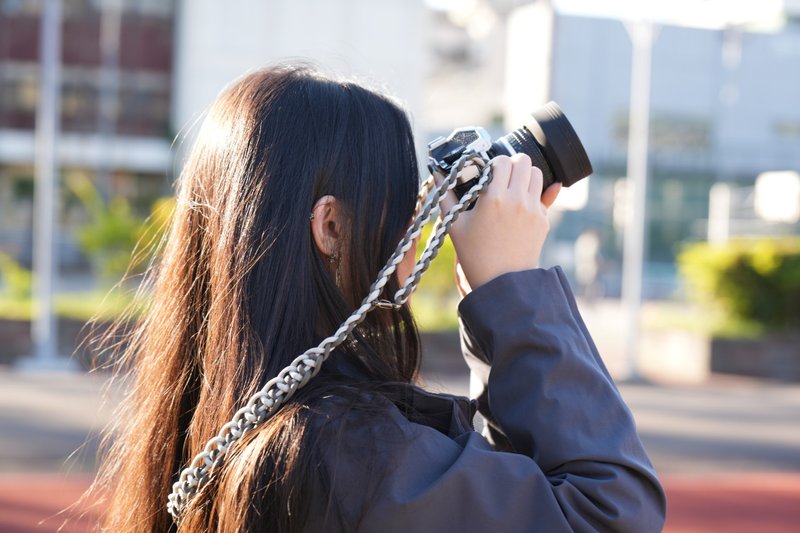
[728,451]
[749,502]
[38,502]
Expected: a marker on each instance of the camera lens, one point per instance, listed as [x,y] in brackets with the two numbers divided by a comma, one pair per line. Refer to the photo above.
[552,144]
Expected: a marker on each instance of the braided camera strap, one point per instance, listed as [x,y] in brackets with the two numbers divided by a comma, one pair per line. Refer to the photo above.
[278,390]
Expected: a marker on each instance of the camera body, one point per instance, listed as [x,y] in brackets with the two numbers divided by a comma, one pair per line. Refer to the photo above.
[546,137]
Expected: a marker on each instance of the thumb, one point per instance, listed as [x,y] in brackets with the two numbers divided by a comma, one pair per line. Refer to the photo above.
[550,194]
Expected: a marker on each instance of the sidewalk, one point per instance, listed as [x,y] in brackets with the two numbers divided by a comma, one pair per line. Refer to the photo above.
[728,452]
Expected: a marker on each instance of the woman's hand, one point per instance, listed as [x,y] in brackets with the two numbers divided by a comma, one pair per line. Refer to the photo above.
[506,229]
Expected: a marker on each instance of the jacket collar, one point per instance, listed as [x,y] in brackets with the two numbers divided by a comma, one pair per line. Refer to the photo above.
[447,413]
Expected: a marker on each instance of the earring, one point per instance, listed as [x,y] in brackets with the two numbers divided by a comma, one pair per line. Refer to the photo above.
[334,260]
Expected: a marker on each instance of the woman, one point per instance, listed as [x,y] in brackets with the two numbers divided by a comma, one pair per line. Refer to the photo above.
[294,196]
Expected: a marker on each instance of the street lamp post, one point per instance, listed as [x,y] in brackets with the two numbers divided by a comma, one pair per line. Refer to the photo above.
[642,34]
[44,330]
[45,206]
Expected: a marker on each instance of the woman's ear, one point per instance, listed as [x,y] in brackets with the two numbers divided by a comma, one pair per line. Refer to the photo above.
[326,225]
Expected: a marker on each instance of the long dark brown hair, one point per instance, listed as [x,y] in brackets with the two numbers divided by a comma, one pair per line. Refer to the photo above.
[240,289]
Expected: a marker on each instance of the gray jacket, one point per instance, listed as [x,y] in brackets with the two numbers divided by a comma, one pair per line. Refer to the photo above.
[559,451]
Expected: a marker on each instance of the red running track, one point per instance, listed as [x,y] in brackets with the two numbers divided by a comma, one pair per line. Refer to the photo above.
[733,503]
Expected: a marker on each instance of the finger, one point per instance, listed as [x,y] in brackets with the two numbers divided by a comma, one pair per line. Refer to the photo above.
[520,174]
[537,180]
[449,199]
[550,194]
[501,173]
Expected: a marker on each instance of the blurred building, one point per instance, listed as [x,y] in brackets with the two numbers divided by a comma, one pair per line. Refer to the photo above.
[116,91]
[725,106]
[135,73]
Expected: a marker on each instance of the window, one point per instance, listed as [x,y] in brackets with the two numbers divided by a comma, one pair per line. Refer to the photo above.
[670,132]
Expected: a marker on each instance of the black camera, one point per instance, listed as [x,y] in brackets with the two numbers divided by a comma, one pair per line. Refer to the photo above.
[547,137]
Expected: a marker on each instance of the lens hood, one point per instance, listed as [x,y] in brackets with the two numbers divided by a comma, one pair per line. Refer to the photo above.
[560,143]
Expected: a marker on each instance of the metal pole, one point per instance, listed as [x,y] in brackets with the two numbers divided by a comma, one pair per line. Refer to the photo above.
[642,36]
[110,29]
[44,328]
[719,213]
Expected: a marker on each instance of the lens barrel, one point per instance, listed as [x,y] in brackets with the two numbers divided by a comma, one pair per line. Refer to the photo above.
[552,144]
[550,141]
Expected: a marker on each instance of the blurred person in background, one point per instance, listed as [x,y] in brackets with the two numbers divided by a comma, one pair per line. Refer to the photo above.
[588,262]
[295,194]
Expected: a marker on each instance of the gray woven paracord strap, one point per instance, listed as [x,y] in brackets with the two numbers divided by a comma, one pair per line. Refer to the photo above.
[278,390]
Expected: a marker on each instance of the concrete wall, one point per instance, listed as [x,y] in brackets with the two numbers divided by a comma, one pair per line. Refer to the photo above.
[379,41]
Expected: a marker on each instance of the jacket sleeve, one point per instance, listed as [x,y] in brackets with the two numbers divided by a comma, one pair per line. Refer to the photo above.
[574,460]
[545,393]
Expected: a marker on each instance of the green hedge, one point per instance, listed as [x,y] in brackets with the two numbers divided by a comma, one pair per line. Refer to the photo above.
[16,281]
[755,280]
[435,301]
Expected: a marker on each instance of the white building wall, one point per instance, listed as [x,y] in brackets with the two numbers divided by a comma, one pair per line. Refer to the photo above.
[529,61]
[591,78]
[750,106]
[686,72]
[377,41]
[765,107]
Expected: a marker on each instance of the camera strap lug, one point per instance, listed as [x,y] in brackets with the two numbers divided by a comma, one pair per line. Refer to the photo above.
[386,304]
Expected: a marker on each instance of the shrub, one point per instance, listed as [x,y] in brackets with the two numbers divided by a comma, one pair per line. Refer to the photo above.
[435,301]
[751,279]
[17,281]
[116,238]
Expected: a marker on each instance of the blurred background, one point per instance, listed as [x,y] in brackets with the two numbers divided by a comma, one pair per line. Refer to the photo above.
[683,246]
